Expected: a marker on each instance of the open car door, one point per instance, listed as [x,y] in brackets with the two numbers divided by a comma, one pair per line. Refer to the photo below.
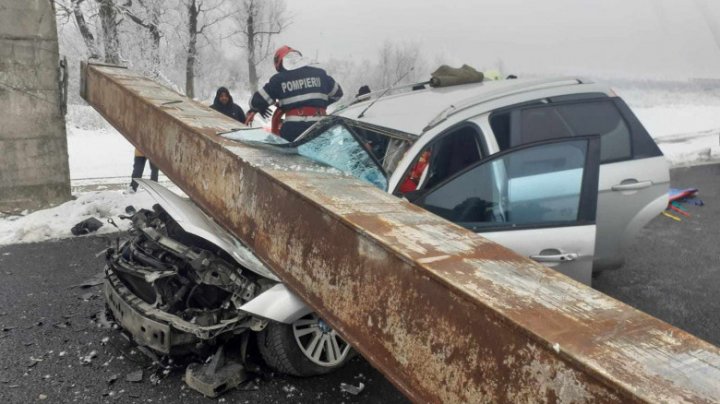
[538,199]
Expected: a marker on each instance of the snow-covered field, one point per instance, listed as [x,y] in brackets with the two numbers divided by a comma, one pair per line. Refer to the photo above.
[686,126]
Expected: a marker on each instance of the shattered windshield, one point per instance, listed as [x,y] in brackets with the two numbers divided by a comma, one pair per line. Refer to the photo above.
[338,148]
[334,146]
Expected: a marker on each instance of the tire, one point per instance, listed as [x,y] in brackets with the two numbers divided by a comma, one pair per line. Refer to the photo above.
[288,348]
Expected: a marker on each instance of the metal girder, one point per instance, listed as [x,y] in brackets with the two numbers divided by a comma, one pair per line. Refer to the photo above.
[444,314]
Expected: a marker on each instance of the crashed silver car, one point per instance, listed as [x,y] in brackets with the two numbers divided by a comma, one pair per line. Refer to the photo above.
[181,284]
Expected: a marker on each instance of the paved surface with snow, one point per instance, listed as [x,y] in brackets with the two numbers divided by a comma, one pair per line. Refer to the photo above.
[48,328]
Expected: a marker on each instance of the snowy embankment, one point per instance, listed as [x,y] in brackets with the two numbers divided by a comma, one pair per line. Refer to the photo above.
[100,159]
[685,125]
[56,222]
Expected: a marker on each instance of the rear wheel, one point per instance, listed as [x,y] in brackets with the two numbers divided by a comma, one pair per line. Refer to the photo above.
[308,347]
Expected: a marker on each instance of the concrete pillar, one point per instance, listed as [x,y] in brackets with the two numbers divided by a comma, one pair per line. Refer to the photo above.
[34,169]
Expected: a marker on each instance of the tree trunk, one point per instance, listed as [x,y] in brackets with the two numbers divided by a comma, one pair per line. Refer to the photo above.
[87,35]
[155,44]
[252,63]
[108,20]
[192,49]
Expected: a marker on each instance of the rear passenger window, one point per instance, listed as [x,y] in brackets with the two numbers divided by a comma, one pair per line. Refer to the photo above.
[550,121]
[600,118]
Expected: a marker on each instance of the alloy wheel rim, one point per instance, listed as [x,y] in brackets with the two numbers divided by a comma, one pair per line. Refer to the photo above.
[319,342]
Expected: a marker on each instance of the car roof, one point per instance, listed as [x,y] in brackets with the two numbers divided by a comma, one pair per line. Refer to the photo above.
[413,111]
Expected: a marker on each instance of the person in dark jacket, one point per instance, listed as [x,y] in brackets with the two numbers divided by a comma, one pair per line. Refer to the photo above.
[224,103]
[302,92]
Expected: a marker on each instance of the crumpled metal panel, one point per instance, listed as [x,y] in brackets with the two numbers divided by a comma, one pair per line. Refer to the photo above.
[446,315]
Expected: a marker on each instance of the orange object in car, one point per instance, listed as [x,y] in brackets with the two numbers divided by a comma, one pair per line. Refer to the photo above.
[413,179]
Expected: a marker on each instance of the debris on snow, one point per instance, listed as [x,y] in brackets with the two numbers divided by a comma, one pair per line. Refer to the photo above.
[55,223]
[87,226]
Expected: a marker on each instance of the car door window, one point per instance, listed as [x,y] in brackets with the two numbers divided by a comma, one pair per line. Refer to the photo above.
[449,154]
[566,119]
[549,184]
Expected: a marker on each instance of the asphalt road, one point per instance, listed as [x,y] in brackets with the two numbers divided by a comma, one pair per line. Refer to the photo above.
[672,271]
[50,329]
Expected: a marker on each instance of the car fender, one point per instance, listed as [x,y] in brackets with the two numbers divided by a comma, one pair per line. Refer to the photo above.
[277,304]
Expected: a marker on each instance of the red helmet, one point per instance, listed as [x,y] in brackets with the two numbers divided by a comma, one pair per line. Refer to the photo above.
[280,54]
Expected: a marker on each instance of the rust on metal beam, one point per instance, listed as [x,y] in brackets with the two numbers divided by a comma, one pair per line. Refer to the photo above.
[444,314]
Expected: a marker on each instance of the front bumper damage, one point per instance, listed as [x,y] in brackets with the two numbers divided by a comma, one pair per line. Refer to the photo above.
[156,329]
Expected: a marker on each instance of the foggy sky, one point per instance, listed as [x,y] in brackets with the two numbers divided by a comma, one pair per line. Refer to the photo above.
[615,38]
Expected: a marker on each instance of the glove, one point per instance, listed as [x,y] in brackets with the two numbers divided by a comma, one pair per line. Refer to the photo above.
[265,113]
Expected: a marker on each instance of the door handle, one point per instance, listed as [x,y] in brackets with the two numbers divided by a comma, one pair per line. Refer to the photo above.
[631,186]
[555,258]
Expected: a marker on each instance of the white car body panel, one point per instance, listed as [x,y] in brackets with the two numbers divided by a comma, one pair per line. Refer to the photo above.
[277,304]
[575,243]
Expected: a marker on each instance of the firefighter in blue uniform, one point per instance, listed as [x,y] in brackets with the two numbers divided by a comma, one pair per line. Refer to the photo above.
[301,92]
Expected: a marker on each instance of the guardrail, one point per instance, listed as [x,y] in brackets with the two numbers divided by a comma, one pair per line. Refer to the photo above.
[444,314]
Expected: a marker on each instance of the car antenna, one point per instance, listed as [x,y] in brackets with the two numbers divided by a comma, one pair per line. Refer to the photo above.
[362,114]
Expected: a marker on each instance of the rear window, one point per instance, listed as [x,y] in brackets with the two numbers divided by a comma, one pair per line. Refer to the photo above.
[550,121]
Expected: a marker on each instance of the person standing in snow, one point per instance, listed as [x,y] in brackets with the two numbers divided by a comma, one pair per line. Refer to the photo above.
[302,92]
[224,103]
[139,167]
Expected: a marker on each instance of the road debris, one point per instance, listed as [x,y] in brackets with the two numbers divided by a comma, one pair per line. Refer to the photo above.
[87,359]
[87,226]
[88,296]
[216,376]
[95,280]
[354,390]
[134,377]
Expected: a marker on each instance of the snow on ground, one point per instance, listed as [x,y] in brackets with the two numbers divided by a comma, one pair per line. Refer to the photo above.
[55,223]
[96,149]
[685,125]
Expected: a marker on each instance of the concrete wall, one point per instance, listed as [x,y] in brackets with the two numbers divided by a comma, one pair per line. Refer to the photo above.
[34,168]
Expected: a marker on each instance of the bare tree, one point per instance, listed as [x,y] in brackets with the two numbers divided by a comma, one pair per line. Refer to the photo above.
[149,19]
[257,22]
[72,9]
[395,61]
[109,23]
[202,14]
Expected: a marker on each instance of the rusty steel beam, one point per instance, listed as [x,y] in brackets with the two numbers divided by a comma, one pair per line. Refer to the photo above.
[444,314]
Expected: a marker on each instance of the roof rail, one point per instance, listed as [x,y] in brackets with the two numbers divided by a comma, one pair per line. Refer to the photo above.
[518,89]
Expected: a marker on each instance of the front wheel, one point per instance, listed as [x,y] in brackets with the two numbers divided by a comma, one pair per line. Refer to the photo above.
[307,347]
